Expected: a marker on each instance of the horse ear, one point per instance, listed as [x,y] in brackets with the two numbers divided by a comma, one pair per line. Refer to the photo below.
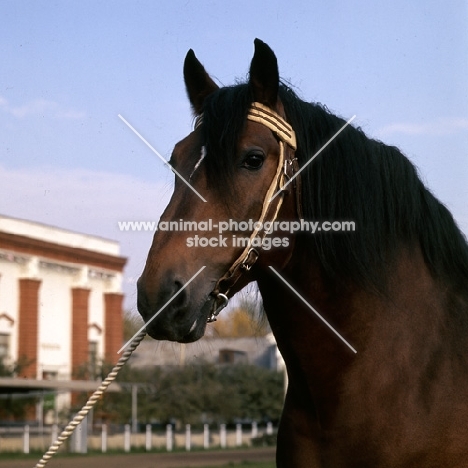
[197,82]
[264,75]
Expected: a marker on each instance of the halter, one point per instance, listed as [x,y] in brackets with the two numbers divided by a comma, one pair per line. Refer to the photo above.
[287,166]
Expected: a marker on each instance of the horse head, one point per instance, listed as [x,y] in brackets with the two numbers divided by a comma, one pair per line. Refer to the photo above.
[231,181]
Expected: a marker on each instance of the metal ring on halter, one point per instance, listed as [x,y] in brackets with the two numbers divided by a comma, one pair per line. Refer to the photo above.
[225,299]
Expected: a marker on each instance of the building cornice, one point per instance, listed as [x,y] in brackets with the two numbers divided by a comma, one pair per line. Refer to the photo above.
[35,247]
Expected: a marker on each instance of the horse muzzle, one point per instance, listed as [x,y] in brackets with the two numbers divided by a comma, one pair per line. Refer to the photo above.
[173,312]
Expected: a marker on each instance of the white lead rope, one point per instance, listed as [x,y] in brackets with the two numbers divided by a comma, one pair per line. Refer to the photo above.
[68,431]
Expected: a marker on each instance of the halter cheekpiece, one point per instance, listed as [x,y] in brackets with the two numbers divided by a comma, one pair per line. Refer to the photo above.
[287,166]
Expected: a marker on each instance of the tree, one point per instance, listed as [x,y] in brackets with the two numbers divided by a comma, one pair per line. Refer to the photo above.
[246,319]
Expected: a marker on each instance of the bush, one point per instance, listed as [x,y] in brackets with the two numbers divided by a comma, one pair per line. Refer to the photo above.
[198,394]
[266,440]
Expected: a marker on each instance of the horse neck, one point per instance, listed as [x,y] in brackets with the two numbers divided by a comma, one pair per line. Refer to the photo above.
[389,330]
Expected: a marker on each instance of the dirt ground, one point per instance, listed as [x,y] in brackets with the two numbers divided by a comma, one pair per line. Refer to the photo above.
[153,460]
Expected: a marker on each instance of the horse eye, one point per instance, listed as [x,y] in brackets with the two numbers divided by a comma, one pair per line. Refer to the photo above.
[253,161]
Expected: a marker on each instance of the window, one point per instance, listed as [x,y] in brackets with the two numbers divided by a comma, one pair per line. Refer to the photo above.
[232,356]
[49,375]
[4,346]
[93,359]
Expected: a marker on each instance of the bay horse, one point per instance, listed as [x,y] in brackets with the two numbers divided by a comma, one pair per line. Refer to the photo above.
[395,288]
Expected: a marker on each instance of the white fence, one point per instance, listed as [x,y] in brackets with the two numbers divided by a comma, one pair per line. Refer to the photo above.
[26,439]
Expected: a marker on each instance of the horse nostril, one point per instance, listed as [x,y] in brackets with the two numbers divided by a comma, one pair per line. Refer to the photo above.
[167,297]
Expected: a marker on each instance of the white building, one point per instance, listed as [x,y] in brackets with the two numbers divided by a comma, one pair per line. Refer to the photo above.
[261,351]
[60,299]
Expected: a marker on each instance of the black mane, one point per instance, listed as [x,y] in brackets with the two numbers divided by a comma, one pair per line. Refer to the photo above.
[354,179]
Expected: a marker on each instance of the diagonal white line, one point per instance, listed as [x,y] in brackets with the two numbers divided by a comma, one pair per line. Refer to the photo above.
[161,309]
[313,157]
[313,310]
[160,157]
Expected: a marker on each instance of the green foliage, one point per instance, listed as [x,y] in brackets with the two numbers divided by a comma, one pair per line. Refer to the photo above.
[203,393]
[15,407]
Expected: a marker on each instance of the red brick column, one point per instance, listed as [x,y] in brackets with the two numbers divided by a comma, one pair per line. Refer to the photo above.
[28,325]
[79,331]
[113,326]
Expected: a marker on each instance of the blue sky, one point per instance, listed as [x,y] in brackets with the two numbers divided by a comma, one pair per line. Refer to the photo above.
[69,68]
